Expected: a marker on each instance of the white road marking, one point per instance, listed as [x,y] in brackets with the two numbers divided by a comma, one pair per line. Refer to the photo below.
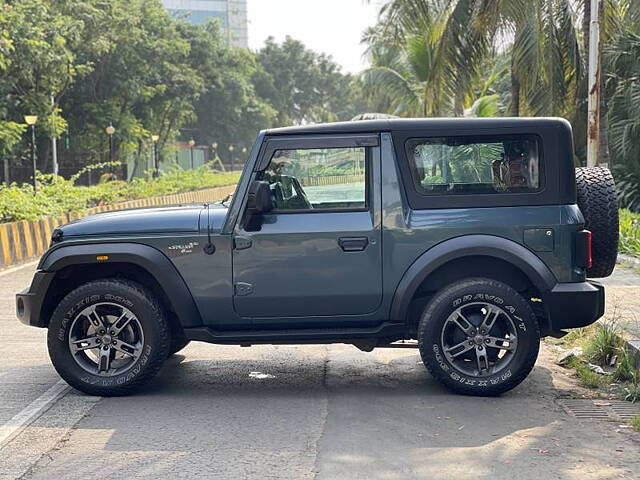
[31,412]
[19,267]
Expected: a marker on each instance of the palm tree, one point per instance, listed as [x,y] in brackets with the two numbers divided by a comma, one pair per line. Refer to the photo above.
[452,39]
[426,61]
[622,65]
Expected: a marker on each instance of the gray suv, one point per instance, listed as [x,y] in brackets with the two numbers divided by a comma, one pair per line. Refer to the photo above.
[468,239]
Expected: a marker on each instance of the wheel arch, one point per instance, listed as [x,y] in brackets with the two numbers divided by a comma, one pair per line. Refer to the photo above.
[446,262]
[74,265]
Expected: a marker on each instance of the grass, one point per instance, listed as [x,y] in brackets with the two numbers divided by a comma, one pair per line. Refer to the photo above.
[625,370]
[586,376]
[604,342]
[599,343]
[632,390]
[635,423]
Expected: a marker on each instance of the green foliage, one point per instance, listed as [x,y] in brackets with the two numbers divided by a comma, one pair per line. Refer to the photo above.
[635,423]
[627,178]
[304,86]
[586,376]
[57,196]
[626,367]
[131,64]
[604,342]
[629,233]
[633,392]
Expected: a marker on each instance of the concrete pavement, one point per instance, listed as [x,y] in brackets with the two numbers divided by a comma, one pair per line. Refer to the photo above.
[325,412]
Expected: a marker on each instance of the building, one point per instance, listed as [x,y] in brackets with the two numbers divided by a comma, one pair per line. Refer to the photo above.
[232,15]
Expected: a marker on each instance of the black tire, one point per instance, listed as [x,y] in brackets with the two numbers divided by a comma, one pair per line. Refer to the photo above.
[177,344]
[150,317]
[599,206]
[470,294]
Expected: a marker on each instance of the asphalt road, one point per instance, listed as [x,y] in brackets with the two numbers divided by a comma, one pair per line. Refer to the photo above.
[292,413]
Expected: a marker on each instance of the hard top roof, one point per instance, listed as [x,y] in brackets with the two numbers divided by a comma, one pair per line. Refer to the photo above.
[404,124]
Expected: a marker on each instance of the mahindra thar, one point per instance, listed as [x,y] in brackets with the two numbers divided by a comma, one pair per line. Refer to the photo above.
[468,239]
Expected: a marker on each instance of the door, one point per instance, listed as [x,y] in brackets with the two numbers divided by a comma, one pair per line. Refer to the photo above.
[318,252]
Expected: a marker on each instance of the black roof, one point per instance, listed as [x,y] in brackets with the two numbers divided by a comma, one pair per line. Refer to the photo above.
[405,124]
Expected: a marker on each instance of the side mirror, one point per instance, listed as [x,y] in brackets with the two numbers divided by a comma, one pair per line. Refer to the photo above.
[259,200]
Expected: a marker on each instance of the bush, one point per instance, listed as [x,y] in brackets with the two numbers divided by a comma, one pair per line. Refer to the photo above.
[629,232]
[57,195]
[604,342]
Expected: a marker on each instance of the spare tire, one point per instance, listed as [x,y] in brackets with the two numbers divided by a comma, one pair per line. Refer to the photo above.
[599,206]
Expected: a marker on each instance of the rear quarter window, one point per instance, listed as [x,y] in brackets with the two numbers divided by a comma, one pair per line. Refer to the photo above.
[475,165]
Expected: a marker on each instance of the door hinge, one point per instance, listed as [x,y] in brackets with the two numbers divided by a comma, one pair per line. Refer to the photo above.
[240,243]
[243,289]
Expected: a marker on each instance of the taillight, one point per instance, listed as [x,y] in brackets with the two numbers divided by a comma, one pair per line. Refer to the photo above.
[589,248]
[584,250]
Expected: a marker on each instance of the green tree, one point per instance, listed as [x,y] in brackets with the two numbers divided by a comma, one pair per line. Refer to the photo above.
[228,109]
[141,80]
[304,86]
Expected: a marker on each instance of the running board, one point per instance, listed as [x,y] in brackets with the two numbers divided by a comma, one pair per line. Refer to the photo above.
[385,330]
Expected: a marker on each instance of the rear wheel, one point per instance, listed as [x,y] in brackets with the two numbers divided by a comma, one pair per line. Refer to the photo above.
[108,337]
[479,337]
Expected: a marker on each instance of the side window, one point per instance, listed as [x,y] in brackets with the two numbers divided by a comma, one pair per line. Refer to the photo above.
[475,165]
[318,179]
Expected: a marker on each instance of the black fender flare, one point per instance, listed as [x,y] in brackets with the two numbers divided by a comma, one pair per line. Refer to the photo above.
[465,246]
[146,257]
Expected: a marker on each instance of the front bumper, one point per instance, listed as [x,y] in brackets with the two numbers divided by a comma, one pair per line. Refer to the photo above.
[574,305]
[29,301]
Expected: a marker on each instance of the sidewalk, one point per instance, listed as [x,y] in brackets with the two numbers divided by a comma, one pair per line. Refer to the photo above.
[623,296]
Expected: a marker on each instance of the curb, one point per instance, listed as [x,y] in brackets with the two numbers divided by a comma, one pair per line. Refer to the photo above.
[633,344]
[25,240]
[628,259]
[634,347]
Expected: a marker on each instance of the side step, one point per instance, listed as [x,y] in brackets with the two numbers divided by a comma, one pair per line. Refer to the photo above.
[387,330]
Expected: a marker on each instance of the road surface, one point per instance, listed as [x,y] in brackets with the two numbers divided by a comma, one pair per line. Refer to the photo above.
[292,412]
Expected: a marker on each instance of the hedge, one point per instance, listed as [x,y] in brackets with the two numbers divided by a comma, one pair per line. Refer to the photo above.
[57,196]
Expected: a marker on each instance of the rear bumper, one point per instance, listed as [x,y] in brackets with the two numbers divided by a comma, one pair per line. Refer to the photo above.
[574,305]
[29,301]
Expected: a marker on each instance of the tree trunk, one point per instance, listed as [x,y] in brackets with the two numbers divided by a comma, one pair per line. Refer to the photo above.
[603,147]
[458,106]
[514,110]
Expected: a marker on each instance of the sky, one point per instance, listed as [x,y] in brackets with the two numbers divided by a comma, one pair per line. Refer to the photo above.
[326,26]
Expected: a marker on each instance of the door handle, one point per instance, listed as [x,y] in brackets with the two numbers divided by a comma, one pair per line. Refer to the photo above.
[353,244]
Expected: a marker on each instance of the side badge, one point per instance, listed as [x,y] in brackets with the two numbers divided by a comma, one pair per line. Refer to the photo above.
[183,248]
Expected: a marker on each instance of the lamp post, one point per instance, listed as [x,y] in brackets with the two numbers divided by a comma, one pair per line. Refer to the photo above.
[156,171]
[54,142]
[110,131]
[231,148]
[214,147]
[192,142]
[31,121]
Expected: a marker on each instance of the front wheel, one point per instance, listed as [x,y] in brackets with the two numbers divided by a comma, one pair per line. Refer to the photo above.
[108,337]
[479,337]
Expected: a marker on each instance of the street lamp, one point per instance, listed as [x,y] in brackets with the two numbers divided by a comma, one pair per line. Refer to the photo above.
[31,121]
[192,142]
[214,146]
[231,148]
[155,139]
[110,131]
